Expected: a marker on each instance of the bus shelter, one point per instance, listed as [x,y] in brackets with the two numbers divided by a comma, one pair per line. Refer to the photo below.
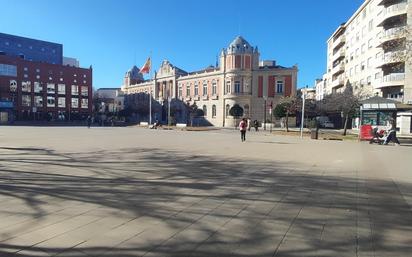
[376,112]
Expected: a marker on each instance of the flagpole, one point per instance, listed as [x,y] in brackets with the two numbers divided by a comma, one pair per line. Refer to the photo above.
[150,92]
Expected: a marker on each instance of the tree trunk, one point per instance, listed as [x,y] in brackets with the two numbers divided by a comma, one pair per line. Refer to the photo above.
[346,124]
[287,122]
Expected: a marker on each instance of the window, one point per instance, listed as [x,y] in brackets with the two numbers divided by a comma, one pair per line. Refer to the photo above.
[180,91]
[351,72]
[356,69]
[227,110]
[369,62]
[378,75]
[84,76]
[196,89]
[61,102]
[228,86]
[84,91]
[84,103]
[38,101]
[8,70]
[357,37]
[61,89]
[25,76]
[368,80]
[51,101]
[38,88]
[370,25]
[13,86]
[51,88]
[26,86]
[75,103]
[37,76]
[213,111]
[61,79]
[204,110]
[362,65]
[188,90]
[26,69]
[26,100]
[214,88]
[357,52]
[279,87]
[37,70]
[237,86]
[75,90]
[370,43]
[363,48]
[204,88]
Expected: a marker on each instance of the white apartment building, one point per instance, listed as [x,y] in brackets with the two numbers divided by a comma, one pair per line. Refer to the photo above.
[369,51]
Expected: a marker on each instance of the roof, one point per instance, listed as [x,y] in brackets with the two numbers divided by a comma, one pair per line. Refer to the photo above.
[239,45]
[380,103]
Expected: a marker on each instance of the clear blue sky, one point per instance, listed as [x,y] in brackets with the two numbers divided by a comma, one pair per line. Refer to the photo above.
[113,35]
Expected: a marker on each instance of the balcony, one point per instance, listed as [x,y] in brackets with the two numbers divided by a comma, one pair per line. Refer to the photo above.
[338,82]
[392,34]
[215,97]
[391,58]
[339,42]
[339,54]
[340,68]
[237,94]
[392,80]
[391,12]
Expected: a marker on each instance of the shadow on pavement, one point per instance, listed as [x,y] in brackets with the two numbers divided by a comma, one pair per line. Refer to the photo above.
[210,206]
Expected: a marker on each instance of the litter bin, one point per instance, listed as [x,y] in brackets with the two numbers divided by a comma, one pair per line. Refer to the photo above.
[314,134]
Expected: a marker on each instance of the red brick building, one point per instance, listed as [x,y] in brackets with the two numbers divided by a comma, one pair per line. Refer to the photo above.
[32,90]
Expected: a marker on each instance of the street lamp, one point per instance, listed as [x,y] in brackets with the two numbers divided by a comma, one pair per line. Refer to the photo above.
[303,113]
[264,114]
[169,99]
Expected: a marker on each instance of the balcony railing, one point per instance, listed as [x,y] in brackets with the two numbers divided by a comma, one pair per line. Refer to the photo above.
[393,77]
[391,11]
[338,68]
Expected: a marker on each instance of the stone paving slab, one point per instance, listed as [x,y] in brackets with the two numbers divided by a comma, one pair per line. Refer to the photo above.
[113,192]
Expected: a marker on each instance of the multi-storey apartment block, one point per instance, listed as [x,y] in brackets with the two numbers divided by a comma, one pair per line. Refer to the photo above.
[372,52]
[239,79]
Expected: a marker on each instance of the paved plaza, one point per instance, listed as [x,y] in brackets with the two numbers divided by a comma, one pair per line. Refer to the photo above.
[120,192]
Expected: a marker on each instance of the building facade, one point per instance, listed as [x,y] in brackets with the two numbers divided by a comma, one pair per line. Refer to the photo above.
[34,87]
[31,49]
[109,100]
[371,52]
[239,79]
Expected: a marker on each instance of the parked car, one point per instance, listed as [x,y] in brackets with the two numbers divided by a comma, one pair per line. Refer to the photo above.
[327,124]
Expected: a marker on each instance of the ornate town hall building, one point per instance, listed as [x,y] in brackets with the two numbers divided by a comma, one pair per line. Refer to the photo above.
[240,79]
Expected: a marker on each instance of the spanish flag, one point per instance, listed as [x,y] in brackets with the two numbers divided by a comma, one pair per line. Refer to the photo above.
[146,67]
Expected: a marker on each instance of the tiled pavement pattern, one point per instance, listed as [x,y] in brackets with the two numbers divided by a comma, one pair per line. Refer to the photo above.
[117,192]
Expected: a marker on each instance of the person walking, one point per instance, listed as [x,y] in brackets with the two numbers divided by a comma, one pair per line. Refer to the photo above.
[391,133]
[89,121]
[256,124]
[242,128]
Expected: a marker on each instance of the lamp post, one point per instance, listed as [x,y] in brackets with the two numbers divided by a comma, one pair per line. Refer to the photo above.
[264,114]
[169,99]
[303,114]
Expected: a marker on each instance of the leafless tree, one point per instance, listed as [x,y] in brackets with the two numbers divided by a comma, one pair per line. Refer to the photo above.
[346,102]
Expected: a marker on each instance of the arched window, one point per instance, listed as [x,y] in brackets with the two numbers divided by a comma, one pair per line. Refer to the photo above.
[204,110]
[213,111]
[227,110]
[246,108]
